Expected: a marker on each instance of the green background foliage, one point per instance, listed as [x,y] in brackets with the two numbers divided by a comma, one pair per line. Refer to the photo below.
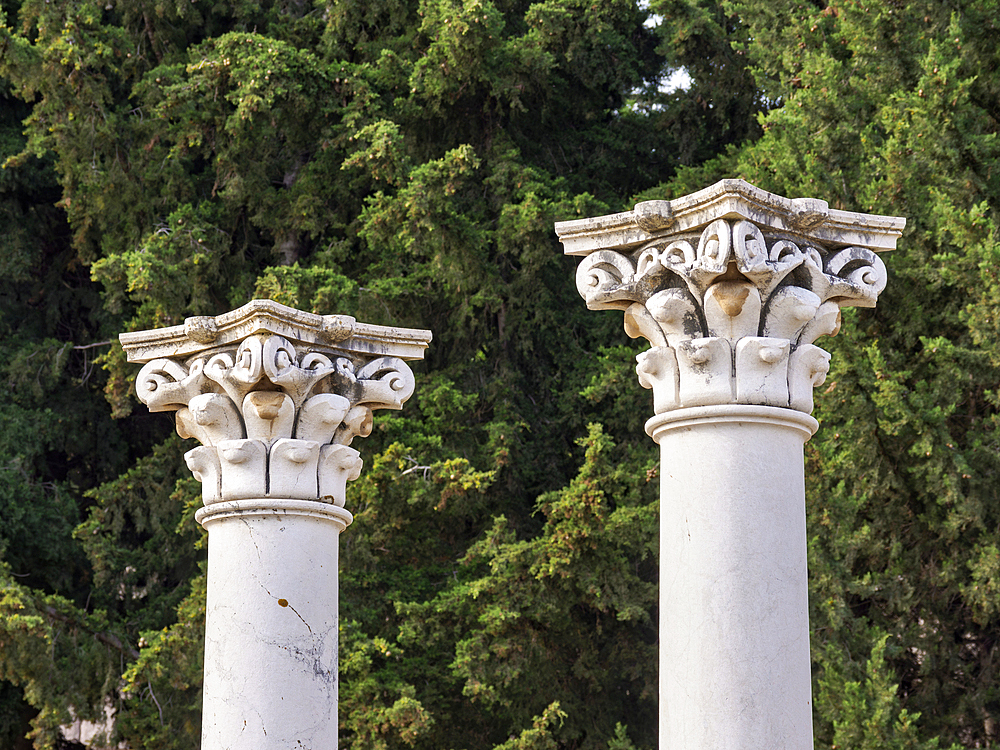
[403,162]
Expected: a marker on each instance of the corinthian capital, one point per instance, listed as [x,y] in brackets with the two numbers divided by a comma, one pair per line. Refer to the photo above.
[274,395]
[731,285]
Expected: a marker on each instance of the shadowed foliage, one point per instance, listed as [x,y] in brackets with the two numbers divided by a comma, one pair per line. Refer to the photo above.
[403,162]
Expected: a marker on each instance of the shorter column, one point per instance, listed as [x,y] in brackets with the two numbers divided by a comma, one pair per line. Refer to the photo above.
[275,396]
[271,633]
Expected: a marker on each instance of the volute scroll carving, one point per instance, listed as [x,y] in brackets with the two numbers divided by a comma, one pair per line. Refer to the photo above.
[274,404]
[731,288]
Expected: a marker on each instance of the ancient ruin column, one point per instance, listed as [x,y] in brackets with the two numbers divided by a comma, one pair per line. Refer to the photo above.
[275,396]
[731,286]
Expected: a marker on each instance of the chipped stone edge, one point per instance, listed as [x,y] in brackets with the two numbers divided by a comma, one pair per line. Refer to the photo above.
[338,333]
[730,199]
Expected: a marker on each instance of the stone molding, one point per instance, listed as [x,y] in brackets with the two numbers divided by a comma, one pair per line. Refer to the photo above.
[275,396]
[340,332]
[338,516]
[746,414]
[731,286]
[729,199]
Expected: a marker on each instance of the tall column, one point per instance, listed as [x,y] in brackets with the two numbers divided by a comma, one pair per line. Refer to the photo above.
[731,286]
[275,396]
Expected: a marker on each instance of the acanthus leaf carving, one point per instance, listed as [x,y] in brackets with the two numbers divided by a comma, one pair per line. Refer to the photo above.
[293,469]
[712,256]
[357,423]
[268,415]
[732,309]
[678,257]
[858,275]
[220,370]
[706,372]
[248,368]
[210,418]
[762,364]
[750,249]
[807,368]
[657,370]
[274,420]
[734,282]
[789,310]
[640,322]
[767,268]
[826,322]
[320,416]
[243,465]
[676,313]
[297,379]
[203,462]
[338,466]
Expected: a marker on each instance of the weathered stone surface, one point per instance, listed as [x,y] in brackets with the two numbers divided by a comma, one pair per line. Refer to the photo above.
[275,396]
[271,645]
[734,668]
[729,263]
[731,286]
[253,383]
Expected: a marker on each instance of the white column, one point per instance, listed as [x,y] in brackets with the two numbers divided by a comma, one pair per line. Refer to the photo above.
[734,614]
[731,286]
[271,630]
[275,396]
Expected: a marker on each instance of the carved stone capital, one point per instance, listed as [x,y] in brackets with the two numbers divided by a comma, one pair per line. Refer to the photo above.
[275,396]
[731,286]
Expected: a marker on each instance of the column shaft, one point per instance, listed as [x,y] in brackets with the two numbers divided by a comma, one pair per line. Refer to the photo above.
[271,625]
[734,617]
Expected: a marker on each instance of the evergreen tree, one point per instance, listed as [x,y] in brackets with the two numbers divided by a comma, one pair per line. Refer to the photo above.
[893,108]
[403,162]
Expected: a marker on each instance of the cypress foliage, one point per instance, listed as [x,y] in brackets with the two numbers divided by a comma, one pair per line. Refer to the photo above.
[403,162]
[893,108]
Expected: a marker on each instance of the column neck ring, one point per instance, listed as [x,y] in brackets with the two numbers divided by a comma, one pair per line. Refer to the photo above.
[215,512]
[694,416]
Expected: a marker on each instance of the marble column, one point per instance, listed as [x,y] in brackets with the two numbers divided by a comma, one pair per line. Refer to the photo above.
[275,396]
[732,286]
